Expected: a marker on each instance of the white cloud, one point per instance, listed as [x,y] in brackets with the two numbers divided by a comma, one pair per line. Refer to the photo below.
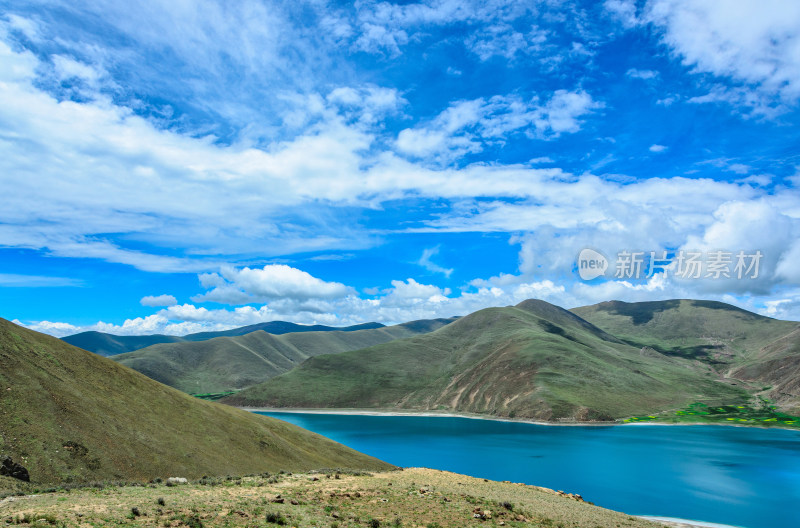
[788,267]
[425,262]
[622,10]
[658,148]
[738,168]
[11,280]
[158,300]
[385,27]
[641,74]
[504,41]
[750,227]
[245,285]
[465,126]
[753,43]
[52,328]
[411,300]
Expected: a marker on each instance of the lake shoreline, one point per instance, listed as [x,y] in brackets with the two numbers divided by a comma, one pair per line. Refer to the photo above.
[437,414]
[675,522]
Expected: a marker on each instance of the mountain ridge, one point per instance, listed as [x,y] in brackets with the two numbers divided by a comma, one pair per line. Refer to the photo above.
[106,344]
[534,360]
[226,364]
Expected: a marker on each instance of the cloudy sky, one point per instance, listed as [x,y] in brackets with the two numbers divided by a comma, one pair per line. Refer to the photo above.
[173,166]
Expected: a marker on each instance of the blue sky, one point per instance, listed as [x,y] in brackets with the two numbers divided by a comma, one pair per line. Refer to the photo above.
[179,166]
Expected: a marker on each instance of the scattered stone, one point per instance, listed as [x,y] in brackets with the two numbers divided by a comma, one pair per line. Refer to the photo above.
[174,481]
[13,469]
[278,500]
[294,502]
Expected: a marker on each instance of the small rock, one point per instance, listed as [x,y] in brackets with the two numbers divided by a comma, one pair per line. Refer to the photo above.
[174,481]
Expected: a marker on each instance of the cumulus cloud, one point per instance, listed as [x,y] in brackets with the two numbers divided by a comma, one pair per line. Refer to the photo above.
[158,300]
[411,300]
[753,43]
[658,148]
[274,281]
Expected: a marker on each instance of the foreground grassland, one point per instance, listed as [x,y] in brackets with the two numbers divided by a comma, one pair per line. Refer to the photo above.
[409,498]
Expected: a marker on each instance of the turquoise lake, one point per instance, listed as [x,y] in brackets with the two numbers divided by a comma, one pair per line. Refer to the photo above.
[730,475]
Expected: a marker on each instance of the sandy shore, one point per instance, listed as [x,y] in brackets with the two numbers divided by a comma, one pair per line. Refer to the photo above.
[386,412]
[362,412]
[684,523]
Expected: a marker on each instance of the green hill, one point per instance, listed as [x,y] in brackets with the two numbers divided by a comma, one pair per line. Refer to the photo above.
[706,330]
[736,343]
[110,344]
[231,363]
[533,360]
[777,368]
[68,415]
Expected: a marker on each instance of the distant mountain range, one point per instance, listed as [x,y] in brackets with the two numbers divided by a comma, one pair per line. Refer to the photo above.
[70,416]
[536,360]
[111,345]
[231,363]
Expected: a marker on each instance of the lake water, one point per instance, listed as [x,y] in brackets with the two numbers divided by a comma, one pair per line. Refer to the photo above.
[731,475]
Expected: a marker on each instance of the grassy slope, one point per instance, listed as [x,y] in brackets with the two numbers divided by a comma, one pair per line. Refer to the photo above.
[705,330]
[110,344]
[534,360]
[69,415]
[738,343]
[232,363]
[777,367]
[409,498]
